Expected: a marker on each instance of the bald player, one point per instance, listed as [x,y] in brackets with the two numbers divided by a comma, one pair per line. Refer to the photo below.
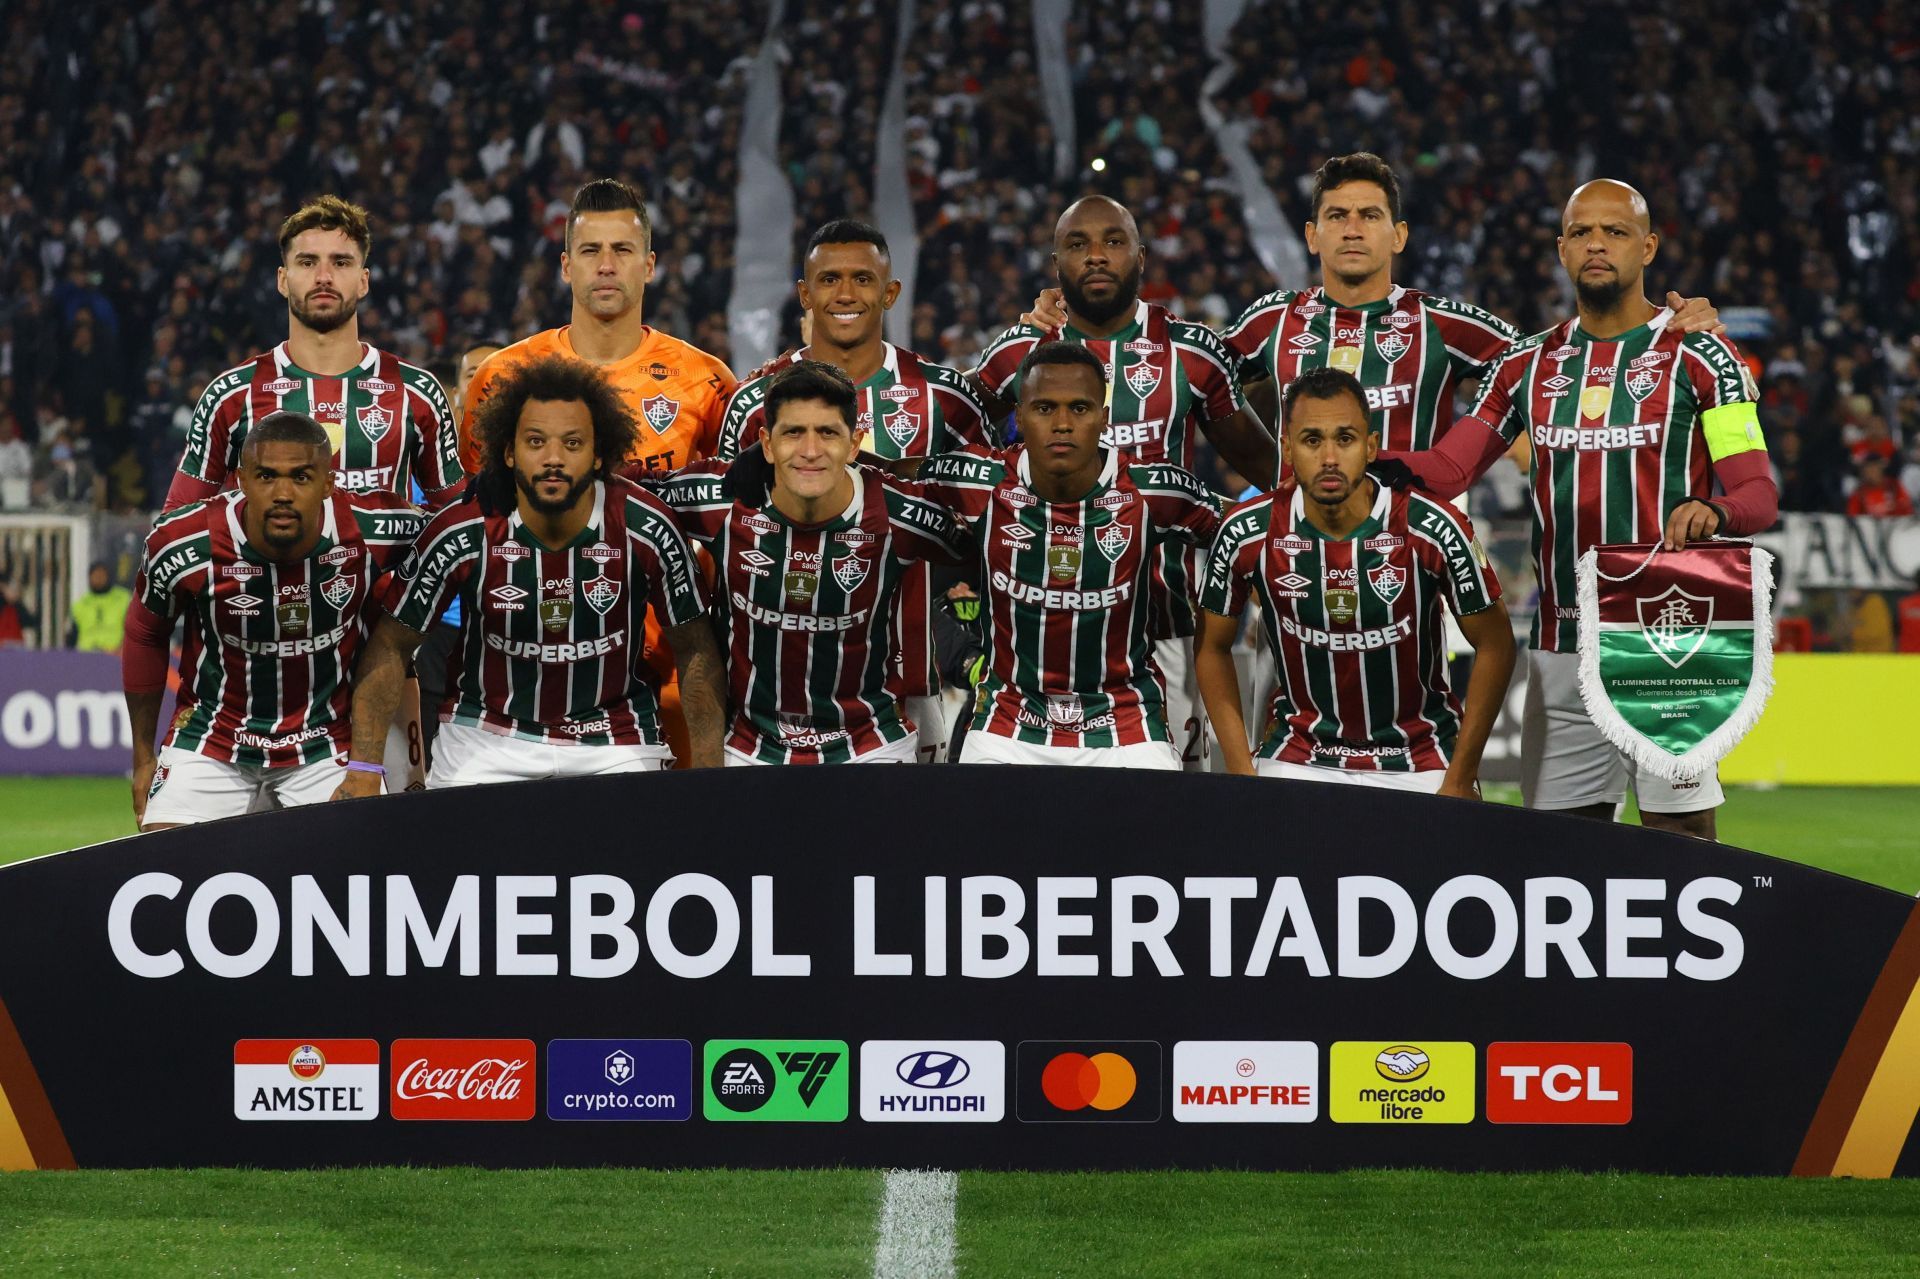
[677,392]
[1169,381]
[1632,423]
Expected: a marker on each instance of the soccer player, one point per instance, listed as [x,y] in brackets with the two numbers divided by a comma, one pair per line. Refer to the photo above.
[909,409]
[274,579]
[1350,576]
[1632,423]
[810,579]
[387,421]
[555,560]
[674,390]
[1067,532]
[1168,381]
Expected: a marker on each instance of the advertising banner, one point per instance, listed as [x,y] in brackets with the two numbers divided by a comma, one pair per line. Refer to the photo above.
[62,713]
[963,968]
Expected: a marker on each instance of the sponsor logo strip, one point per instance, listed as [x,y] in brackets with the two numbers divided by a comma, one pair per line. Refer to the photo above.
[1401,1081]
[620,1079]
[945,1081]
[775,1080]
[1549,1083]
[1274,1081]
[306,1079]
[1088,1081]
[462,1079]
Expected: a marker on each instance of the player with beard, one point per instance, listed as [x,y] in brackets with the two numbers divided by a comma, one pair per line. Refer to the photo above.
[273,579]
[1068,532]
[1169,382]
[556,561]
[1350,576]
[1632,423]
[909,409]
[388,421]
[675,391]
[811,577]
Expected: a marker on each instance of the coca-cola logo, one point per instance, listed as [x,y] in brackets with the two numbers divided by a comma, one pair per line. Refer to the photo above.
[462,1079]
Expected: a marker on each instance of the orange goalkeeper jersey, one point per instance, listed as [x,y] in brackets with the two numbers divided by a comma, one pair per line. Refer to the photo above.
[678,393]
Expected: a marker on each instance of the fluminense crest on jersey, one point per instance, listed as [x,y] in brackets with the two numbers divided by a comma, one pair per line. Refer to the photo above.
[374,421]
[1113,540]
[602,593]
[1391,344]
[1143,379]
[1386,581]
[660,412]
[849,571]
[902,427]
[1641,382]
[338,589]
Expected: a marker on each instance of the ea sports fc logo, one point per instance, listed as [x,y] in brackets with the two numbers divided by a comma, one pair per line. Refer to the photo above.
[1105,1081]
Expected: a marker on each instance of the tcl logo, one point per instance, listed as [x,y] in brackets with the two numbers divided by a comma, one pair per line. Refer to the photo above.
[462,1078]
[1559,1083]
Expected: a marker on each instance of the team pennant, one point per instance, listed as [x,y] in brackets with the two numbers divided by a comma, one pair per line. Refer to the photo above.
[1676,650]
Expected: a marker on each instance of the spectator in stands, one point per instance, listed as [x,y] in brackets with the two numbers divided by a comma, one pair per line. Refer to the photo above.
[16,618]
[98,619]
[1878,494]
[16,464]
[1909,611]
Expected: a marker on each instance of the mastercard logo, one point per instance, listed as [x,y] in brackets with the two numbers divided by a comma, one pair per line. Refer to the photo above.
[1075,1081]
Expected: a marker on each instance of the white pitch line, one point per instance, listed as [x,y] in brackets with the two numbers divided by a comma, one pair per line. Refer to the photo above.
[916,1225]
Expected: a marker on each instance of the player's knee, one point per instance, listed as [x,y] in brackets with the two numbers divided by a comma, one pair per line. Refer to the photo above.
[1699,825]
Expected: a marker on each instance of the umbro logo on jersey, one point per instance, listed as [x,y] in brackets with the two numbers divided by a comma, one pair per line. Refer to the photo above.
[376,386]
[511,551]
[1291,587]
[507,598]
[660,412]
[756,562]
[1391,345]
[282,386]
[1113,541]
[1143,379]
[602,593]
[374,422]
[1018,536]
[1304,341]
[1555,387]
[338,589]
[246,605]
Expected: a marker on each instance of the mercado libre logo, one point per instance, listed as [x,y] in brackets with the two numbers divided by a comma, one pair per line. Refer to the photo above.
[1089,1081]
[1401,1082]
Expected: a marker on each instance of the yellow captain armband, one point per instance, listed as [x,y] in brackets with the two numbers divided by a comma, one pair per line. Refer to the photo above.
[1732,429]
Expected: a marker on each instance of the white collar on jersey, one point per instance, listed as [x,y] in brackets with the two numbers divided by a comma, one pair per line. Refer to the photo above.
[596,519]
[369,360]
[236,527]
[890,361]
[1109,468]
[1394,294]
[1381,501]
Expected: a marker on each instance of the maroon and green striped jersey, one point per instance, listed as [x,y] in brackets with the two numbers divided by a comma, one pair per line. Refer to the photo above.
[1409,351]
[1354,624]
[910,408]
[1066,584]
[1623,431]
[809,610]
[270,647]
[551,639]
[389,423]
[1166,379]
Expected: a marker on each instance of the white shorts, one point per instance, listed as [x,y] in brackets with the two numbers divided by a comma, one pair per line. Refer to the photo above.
[468,756]
[991,748]
[904,751]
[1565,761]
[189,787]
[1186,713]
[929,715]
[1425,782]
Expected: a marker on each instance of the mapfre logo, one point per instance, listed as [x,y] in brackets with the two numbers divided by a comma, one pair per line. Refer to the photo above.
[462,1079]
[1547,1083]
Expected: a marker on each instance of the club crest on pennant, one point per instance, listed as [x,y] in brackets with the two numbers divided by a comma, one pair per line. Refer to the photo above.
[1391,344]
[659,412]
[850,571]
[1675,623]
[1386,581]
[1642,382]
[1113,541]
[338,589]
[601,593]
[374,422]
[1143,379]
[902,427]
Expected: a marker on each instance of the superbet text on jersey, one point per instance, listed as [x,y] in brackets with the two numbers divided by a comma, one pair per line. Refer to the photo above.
[1354,625]
[388,421]
[809,611]
[909,408]
[1409,351]
[1166,378]
[1066,593]
[1623,430]
[550,640]
[269,647]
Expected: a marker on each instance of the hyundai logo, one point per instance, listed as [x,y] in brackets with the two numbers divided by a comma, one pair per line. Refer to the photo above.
[932,1070]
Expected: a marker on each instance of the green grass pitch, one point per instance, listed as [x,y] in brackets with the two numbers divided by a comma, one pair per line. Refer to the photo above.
[634,1222]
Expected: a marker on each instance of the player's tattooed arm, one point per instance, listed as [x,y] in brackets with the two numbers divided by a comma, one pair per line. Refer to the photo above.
[377,680]
[1219,682]
[703,693]
[1491,634]
[1247,446]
